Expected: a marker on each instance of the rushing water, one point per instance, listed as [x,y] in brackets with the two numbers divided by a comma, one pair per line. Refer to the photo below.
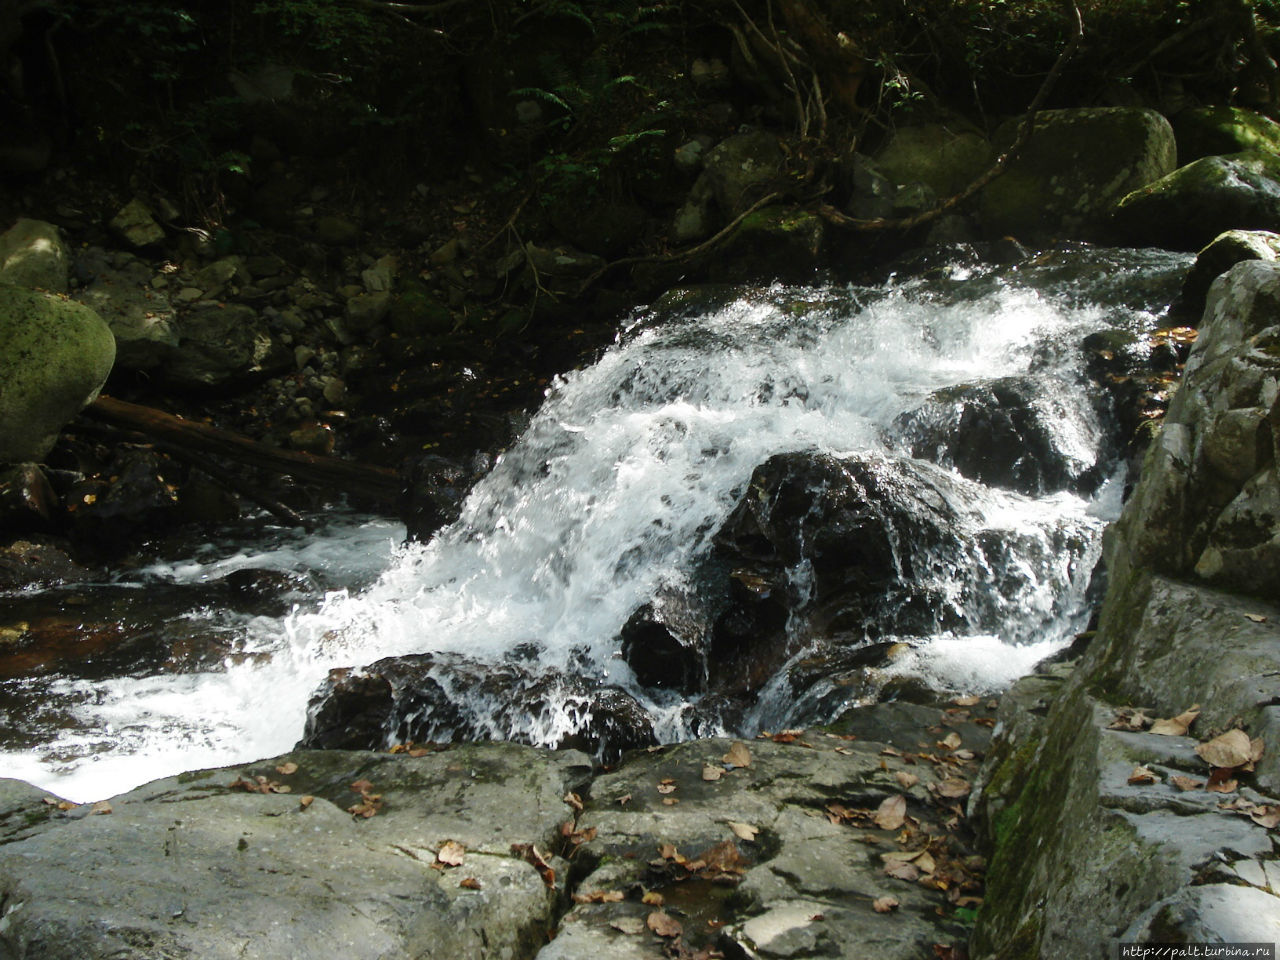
[613,493]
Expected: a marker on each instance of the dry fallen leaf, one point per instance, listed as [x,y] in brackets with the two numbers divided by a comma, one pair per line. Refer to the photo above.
[972,701]
[101,807]
[901,870]
[891,813]
[624,800]
[1176,726]
[744,831]
[954,787]
[951,741]
[1256,617]
[573,800]
[599,896]
[884,904]
[653,898]
[712,773]
[470,883]
[666,787]
[925,862]
[1268,817]
[361,786]
[287,768]
[738,755]
[1186,783]
[632,926]
[451,853]
[1129,718]
[663,924]
[1141,776]
[1222,784]
[1231,749]
[906,780]
[529,853]
[670,801]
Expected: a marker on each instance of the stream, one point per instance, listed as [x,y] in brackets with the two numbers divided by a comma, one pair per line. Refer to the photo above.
[614,495]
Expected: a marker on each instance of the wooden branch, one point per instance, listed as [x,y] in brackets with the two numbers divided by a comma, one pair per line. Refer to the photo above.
[391,6]
[835,217]
[681,255]
[344,476]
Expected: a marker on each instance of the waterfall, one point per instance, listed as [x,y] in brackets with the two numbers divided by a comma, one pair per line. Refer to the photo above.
[618,488]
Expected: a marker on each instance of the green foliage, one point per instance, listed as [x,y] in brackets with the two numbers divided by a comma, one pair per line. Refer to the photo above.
[327,25]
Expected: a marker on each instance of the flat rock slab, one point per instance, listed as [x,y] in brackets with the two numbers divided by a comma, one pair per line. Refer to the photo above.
[669,861]
[192,867]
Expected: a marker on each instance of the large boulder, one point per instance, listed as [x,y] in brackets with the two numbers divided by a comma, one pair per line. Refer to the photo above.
[741,169]
[1221,129]
[1189,207]
[217,864]
[221,345]
[54,357]
[942,157]
[1088,848]
[1073,170]
[32,254]
[1221,254]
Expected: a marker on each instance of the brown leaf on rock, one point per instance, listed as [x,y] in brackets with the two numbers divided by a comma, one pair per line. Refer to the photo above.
[470,883]
[1129,718]
[906,780]
[653,898]
[1177,726]
[1186,783]
[1222,784]
[573,800]
[663,924]
[361,786]
[925,862]
[1256,617]
[738,754]
[723,858]
[304,802]
[599,896]
[954,787]
[101,807]
[971,701]
[1268,817]
[287,768]
[712,773]
[884,904]
[451,853]
[743,831]
[667,787]
[1142,776]
[1231,749]
[891,813]
[529,853]
[632,926]
[951,741]
[902,870]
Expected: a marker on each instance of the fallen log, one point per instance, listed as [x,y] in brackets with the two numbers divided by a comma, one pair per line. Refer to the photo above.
[380,484]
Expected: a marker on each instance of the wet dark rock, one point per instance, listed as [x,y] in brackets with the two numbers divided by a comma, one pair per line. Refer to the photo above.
[138,501]
[819,546]
[998,433]
[435,488]
[32,563]
[663,644]
[447,697]
[27,499]
[264,592]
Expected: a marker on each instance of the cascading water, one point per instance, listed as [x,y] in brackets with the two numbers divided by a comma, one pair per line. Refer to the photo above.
[615,494]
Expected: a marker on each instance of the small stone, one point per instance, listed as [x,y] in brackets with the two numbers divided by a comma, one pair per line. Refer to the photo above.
[135,225]
[188,295]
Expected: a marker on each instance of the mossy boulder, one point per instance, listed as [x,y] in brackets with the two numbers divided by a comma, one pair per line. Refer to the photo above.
[772,243]
[54,357]
[416,312]
[1193,204]
[741,169]
[940,156]
[1212,131]
[1073,170]
[32,254]
[1223,253]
